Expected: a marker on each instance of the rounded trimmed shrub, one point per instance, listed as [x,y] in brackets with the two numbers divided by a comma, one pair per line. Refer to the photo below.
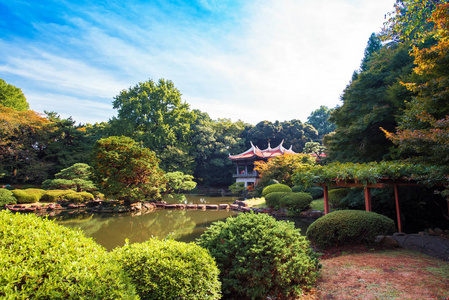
[260,257]
[170,270]
[273,199]
[296,201]
[78,197]
[336,196]
[6,197]
[23,196]
[315,191]
[346,227]
[56,195]
[298,189]
[42,260]
[279,187]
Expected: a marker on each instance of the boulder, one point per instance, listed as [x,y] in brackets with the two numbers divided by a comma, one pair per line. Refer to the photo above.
[192,206]
[234,206]
[223,206]
[211,206]
[170,206]
[202,206]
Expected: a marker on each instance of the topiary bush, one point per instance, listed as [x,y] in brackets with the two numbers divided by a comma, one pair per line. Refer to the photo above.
[170,270]
[23,196]
[260,257]
[79,197]
[298,189]
[346,227]
[273,199]
[295,201]
[7,197]
[276,188]
[336,196]
[42,260]
[315,191]
[56,195]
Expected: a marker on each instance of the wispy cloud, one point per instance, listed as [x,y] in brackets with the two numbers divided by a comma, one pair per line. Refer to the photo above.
[250,60]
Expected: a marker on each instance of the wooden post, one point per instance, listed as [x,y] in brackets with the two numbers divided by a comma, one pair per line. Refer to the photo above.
[398,211]
[326,199]
[367,199]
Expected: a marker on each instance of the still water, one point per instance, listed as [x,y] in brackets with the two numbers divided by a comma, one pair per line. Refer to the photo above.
[111,230]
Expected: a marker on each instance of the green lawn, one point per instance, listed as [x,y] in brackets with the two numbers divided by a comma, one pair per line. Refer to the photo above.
[317,204]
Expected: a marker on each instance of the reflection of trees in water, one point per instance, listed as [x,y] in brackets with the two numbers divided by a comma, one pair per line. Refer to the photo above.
[111,230]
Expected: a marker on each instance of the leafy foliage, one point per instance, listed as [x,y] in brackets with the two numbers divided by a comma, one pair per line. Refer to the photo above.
[348,227]
[295,202]
[28,195]
[76,177]
[6,197]
[319,119]
[273,199]
[259,257]
[237,188]
[336,196]
[276,188]
[170,270]
[12,97]
[125,171]
[42,260]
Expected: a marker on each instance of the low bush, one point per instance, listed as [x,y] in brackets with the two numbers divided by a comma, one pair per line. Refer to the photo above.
[79,197]
[273,199]
[315,191]
[346,227]
[296,201]
[276,188]
[23,196]
[56,195]
[237,188]
[170,270]
[298,189]
[7,197]
[42,260]
[336,196]
[260,257]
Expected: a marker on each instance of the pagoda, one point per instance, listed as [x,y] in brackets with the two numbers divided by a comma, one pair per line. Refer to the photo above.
[245,161]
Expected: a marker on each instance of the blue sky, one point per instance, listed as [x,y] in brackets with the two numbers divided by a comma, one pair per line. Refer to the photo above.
[249,60]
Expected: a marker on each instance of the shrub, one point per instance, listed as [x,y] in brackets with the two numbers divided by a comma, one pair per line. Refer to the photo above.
[276,188]
[296,201]
[170,270]
[23,196]
[346,227]
[42,260]
[315,191]
[298,189]
[6,197]
[237,188]
[78,197]
[56,195]
[260,257]
[273,199]
[336,196]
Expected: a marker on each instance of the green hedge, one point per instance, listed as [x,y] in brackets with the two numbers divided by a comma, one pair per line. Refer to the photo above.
[296,201]
[78,197]
[7,197]
[170,270]
[56,195]
[274,199]
[42,260]
[336,196]
[260,257]
[276,188]
[315,191]
[346,227]
[23,196]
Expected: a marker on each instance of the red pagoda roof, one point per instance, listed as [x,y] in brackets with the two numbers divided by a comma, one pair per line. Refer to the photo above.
[255,152]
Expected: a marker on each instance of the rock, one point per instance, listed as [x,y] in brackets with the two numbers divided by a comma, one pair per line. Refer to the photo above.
[390,242]
[398,234]
[202,206]
[136,206]
[431,232]
[159,204]
[30,209]
[316,214]
[423,233]
[234,206]
[182,206]
[245,209]
[211,206]
[438,231]
[192,206]
[240,203]
[72,206]
[170,206]
[223,206]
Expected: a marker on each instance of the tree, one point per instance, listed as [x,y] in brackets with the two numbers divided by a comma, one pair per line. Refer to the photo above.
[23,138]
[76,177]
[373,46]
[374,99]
[315,148]
[282,168]
[319,119]
[424,127]
[124,170]
[177,182]
[12,97]
[154,114]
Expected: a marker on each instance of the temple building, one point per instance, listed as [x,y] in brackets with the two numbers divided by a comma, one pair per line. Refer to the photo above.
[245,161]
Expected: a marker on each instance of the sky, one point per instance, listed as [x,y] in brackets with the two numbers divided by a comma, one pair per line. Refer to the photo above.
[251,60]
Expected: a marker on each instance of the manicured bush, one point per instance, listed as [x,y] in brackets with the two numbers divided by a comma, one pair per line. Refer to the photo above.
[346,227]
[273,199]
[170,270]
[56,195]
[79,197]
[42,260]
[298,189]
[6,197]
[23,196]
[295,201]
[276,188]
[336,196]
[260,257]
[315,191]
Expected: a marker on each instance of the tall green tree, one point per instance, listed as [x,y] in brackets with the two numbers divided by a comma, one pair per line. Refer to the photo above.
[12,97]
[319,119]
[75,177]
[124,170]
[373,46]
[154,114]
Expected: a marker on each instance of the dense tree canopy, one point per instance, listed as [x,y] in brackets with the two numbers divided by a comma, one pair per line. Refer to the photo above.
[319,119]
[76,177]
[12,97]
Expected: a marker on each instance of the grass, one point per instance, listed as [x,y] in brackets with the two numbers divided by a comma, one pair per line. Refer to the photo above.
[317,204]
[386,274]
[256,202]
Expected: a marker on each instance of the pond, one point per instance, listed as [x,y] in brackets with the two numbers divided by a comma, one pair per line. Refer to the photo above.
[111,230]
